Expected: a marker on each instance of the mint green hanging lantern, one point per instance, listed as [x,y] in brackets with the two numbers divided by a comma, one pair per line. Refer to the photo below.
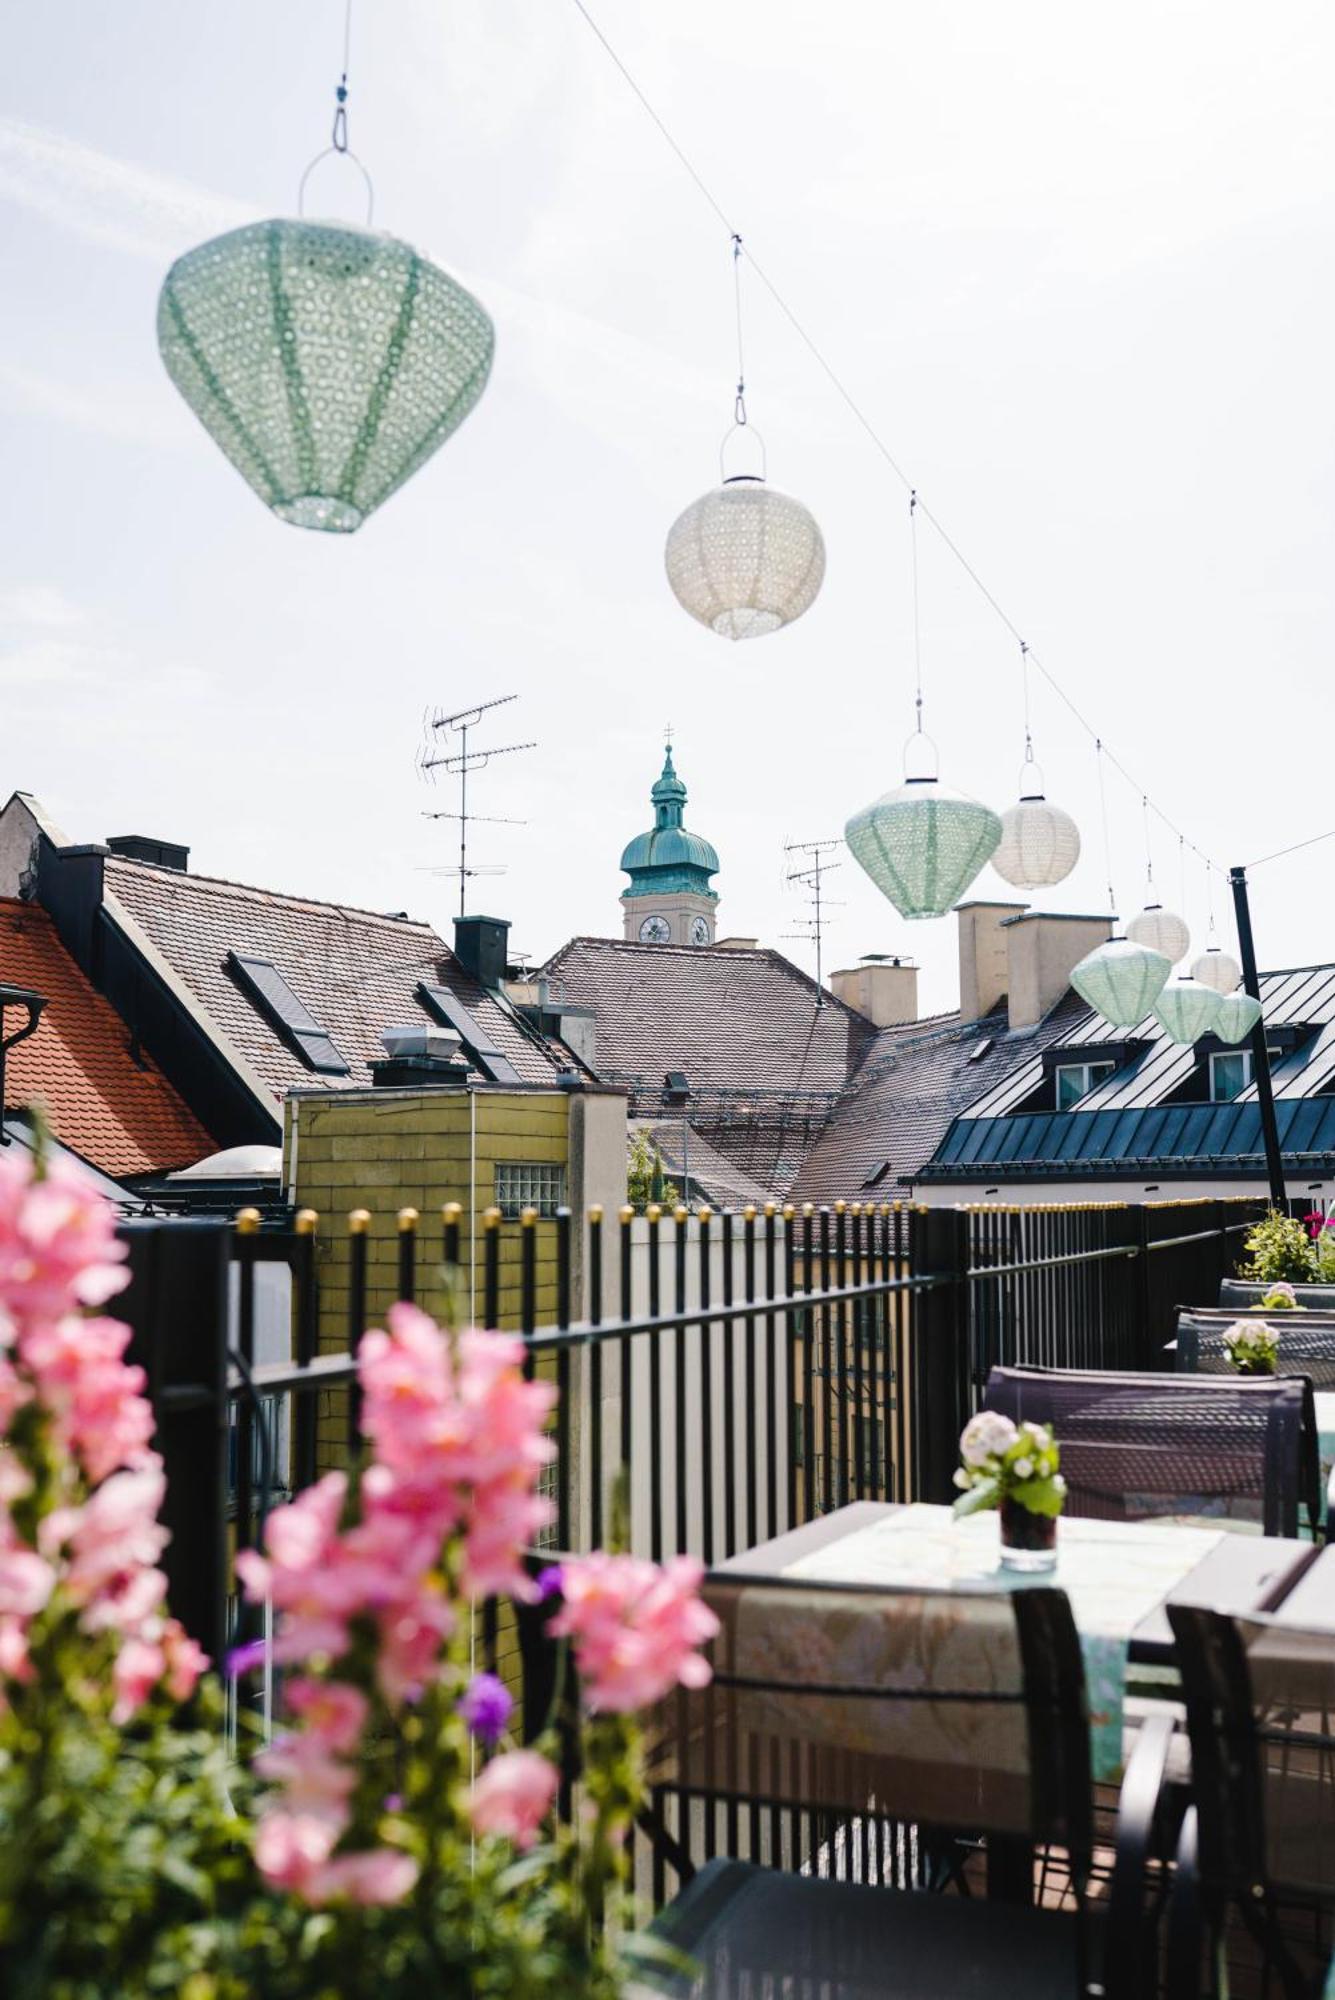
[1186,1010]
[1238,1015]
[923,845]
[327,361]
[1121,980]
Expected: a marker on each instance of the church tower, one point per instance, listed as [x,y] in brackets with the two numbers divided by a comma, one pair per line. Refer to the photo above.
[669,900]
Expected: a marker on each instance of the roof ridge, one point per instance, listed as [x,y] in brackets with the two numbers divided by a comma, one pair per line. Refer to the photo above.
[275,895]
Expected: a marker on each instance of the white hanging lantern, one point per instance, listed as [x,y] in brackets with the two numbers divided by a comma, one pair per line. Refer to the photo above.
[745,559]
[1121,980]
[1040,844]
[1186,1011]
[923,845]
[1162,931]
[1238,1015]
[1218,969]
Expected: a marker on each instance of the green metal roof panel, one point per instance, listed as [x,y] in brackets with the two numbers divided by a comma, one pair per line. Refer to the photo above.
[1175,1135]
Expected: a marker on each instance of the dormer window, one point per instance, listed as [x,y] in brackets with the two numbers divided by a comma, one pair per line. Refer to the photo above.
[1230,1073]
[1076,1080]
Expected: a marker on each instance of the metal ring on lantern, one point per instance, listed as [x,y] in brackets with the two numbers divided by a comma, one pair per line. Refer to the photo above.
[932,778]
[729,479]
[344,153]
[1031,793]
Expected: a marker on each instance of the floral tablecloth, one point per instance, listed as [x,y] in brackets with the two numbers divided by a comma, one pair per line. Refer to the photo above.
[1114,1574]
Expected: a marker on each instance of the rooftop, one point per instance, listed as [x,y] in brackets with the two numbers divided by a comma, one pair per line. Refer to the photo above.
[105,1100]
[352,972]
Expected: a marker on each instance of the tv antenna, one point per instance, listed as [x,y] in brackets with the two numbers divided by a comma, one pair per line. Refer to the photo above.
[459,763]
[813,876]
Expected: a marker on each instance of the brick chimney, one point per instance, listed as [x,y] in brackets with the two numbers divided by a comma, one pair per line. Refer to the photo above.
[884,989]
[984,968]
[1041,952]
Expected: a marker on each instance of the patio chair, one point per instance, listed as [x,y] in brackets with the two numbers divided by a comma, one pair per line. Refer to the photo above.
[941,1713]
[1260,1841]
[1240,1294]
[1306,1342]
[1144,1447]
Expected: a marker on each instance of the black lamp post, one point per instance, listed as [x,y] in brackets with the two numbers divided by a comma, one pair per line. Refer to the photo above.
[1265,1096]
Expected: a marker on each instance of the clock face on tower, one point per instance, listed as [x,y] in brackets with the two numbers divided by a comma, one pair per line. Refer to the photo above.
[655,930]
[699,930]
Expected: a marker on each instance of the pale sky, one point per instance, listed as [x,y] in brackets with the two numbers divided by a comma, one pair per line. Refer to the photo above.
[1074,263]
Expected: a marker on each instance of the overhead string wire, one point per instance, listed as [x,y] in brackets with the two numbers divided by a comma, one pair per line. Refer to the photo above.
[865,423]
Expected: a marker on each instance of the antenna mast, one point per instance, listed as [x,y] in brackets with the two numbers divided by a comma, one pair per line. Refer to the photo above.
[458,763]
[813,875]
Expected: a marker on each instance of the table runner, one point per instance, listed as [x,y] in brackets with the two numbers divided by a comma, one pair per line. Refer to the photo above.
[1113,1572]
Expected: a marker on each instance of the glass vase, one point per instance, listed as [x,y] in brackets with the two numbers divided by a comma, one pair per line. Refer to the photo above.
[1028,1540]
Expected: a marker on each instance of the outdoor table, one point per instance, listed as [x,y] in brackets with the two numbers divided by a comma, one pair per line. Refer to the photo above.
[1119,1576]
[1311,1601]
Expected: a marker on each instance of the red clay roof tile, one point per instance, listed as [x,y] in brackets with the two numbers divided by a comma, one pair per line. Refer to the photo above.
[114,1109]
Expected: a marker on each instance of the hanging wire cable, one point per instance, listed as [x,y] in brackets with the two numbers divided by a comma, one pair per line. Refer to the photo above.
[1182,877]
[1099,755]
[917,626]
[865,423]
[1297,848]
[1024,683]
[1149,846]
[739,407]
[339,136]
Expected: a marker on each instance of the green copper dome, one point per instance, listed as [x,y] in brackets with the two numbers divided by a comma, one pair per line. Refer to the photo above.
[668,857]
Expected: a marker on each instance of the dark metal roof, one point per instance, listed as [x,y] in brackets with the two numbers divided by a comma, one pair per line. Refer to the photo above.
[1162,1138]
[1306,995]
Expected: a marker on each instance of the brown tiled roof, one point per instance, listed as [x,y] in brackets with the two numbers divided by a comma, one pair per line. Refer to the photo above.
[356,972]
[713,1177]
[114,1109]
[899,1107]
[733,1021]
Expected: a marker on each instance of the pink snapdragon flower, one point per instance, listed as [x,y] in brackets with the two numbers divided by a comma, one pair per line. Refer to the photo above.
[95,1398]
[635,1627]
[299,1573]
[461,1430]
[58,1247]
[512,1796]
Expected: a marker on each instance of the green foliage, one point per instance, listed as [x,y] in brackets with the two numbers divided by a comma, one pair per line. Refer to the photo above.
[1279,1247]
[123,1862]
[646,1182]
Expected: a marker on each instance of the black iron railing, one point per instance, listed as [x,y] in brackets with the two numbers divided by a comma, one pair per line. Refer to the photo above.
[749,1371]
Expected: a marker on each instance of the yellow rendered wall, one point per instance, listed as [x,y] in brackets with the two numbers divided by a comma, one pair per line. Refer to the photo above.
[389,1150]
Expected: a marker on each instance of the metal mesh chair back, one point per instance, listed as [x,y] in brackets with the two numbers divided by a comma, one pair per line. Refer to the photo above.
[1261,1711]
[954,1709]
[1145,1447]
[1306,1342]
[1239,1294]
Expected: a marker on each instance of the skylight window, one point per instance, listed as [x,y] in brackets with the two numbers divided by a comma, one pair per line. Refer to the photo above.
[875,1178]
[264,985]
[980,1049]
[442,1005]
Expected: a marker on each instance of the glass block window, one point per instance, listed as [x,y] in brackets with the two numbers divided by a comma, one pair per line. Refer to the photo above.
[522,1184]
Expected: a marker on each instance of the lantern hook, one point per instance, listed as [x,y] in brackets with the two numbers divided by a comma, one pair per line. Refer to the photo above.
[343,152]
[920,735]
[1031,773]
[741,425]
